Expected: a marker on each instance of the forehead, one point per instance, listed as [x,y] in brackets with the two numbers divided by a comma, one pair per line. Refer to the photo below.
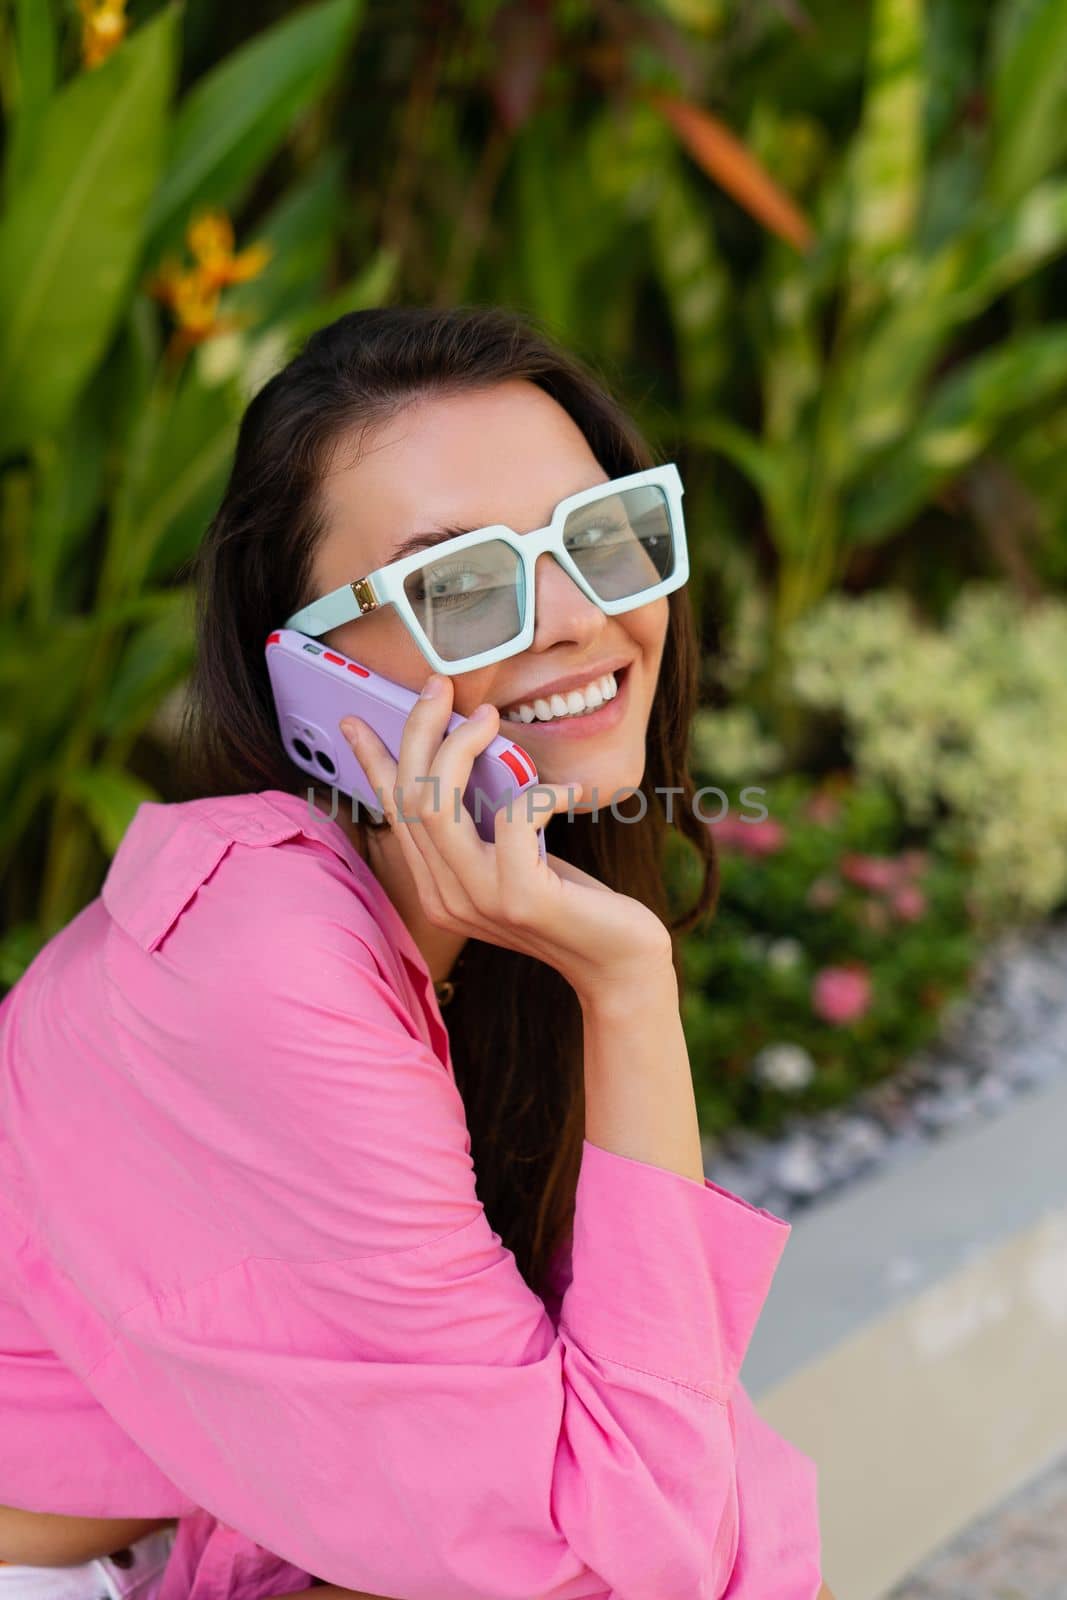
[508,453]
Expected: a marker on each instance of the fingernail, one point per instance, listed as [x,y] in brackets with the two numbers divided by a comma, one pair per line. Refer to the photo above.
[350,727]
[433,686]
[483,713]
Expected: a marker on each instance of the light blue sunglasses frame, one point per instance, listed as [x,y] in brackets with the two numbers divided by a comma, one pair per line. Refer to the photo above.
[385,586]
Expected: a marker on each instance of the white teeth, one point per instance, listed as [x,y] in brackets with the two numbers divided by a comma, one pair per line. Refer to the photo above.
[575,703]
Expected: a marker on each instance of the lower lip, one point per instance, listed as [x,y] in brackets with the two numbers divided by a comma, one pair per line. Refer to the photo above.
[606,717]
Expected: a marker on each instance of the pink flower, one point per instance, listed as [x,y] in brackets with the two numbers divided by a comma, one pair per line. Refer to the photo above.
[841,994]
[879,874]
[749,838]
[909,903]
[914,862]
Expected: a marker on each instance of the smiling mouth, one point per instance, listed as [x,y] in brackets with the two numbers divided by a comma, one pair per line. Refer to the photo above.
[572,709]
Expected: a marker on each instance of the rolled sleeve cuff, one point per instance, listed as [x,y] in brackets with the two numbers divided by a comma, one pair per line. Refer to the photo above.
[669,1276]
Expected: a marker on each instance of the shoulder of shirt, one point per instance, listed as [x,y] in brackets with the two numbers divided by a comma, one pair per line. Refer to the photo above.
[170,849]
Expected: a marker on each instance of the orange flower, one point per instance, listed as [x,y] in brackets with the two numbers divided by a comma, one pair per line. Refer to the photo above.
[192,293]
[103,29]
[210,239]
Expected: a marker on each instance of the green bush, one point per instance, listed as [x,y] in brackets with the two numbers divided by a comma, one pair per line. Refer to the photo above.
[836,942]
[965,725]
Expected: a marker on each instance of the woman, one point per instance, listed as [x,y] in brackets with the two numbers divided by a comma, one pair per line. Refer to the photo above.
[246,1278]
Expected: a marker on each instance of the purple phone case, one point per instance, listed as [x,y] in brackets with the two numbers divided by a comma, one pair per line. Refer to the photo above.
[314,687]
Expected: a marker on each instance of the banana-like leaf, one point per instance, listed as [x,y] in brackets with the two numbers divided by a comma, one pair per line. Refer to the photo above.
[1004,248]
[35,68]
[174,470]
[1029,99]
[300,230]
[543,239]
[695,280]
[18,948]
[886,157]
[72,234]
[70,474]
[371,287]
[957,425]
[884,373]
[176,522]
[236,116]
[156,657]
[777,473]
[952,38]
[109,797]
[786,333]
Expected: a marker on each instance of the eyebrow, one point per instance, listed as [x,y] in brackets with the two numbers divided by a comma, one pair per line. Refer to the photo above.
[425,541]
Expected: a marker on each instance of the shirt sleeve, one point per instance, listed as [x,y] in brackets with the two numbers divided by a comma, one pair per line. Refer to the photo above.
[370,1388]
[779,1549]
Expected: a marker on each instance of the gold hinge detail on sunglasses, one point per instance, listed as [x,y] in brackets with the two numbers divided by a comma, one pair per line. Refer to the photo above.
[364,594]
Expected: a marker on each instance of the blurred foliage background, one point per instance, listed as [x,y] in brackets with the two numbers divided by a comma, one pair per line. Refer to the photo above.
[817,246]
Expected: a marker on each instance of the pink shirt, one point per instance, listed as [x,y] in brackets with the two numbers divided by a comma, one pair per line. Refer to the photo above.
[244,1268]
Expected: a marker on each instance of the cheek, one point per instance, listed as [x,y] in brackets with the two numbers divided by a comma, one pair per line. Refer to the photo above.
[647,627]
[470,689]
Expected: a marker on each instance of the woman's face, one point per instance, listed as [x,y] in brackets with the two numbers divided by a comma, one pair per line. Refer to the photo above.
[504,454]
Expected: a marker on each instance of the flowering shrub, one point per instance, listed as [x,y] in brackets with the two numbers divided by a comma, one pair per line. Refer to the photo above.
[835,944]
[966,725]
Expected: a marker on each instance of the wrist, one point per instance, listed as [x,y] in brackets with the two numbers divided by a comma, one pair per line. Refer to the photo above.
[640,985]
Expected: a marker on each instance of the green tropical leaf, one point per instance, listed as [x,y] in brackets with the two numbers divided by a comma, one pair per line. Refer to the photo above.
[695,280]
[70,478]
[174,469]
[883,374]
[958,423]
[886,157]
[236,116]
[35,67]
[300,230]
[1029,98]
[370,287]
[156,657]
[71,237]
[109,796]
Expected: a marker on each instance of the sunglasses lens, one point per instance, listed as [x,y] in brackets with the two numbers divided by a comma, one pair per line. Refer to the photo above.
[469,602]
[623,543]
[473,601]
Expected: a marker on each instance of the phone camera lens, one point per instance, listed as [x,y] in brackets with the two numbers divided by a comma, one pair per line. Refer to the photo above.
[325,763]
[301,749]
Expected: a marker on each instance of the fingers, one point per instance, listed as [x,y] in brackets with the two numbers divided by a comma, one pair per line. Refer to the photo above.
[421,805]
[380,768]
[433,773]
[516,825]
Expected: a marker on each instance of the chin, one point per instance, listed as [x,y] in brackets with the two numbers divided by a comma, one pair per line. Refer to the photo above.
[616,782]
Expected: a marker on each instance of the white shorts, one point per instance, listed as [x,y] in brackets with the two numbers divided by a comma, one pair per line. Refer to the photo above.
[135,1575]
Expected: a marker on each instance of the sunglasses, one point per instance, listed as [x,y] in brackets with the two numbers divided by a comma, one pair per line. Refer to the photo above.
[469,600]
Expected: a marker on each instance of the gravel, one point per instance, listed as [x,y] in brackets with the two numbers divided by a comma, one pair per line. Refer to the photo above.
[1003,1039]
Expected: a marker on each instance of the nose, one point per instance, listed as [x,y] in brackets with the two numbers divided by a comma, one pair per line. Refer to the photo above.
[562,612]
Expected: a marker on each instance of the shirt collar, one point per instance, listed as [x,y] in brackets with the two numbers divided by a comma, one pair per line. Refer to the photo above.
[317,825]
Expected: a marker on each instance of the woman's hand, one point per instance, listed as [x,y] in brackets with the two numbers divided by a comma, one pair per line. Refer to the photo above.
[503,893]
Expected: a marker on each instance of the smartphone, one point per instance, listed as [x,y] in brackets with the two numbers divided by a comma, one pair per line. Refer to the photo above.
[315,686]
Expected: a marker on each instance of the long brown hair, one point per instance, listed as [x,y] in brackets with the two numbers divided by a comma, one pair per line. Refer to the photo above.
[514,1024]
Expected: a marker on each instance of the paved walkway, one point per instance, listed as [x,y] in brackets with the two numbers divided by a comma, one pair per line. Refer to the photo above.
[1018,1551]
